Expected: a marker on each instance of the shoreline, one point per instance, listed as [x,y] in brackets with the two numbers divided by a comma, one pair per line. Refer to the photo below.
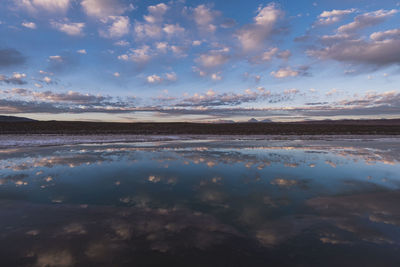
[34,140]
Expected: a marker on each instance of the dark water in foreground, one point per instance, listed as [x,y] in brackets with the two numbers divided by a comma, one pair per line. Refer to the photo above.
[232,203]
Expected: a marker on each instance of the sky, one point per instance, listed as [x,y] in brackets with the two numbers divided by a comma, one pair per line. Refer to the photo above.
[199,61]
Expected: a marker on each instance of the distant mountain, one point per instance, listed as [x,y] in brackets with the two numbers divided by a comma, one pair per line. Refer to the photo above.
[224,121]
[266,120]
[13,119]
[252,120]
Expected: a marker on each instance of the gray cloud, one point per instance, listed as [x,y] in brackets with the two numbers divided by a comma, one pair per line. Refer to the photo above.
[11,57]
[17,79]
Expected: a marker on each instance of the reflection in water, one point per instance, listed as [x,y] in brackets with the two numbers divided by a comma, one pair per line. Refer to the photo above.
[237,203]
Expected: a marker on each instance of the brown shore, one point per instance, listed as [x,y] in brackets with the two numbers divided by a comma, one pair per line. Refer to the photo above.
[344,127]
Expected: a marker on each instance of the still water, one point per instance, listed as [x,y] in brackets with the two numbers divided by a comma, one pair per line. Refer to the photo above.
[202,203]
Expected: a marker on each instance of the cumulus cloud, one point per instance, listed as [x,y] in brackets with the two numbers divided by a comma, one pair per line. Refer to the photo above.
[375,51]
[253,36]
[147,30]
[168,77]
[173,29]
[104,8]
[35,6]
[204,17]
[11,57]
[30,25]
[333,16]
[289,72]
[366,20]
[118,26]
[70,28]
[212,99]
[154,79]
[62,63]
[384,35]
[213,58]
[48,96]
[16,78]
[139,55]
[156,13]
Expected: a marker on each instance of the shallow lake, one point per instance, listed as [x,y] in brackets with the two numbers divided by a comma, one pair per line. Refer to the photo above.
[202,203]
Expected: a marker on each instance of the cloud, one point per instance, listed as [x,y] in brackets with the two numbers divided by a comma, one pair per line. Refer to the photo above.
[216,76]
[16,78]
[173,29]
[374,51]
[212,99]
[267,55]
[139,55]
[47,80]
[147,30]
[62,63]
[168,77]
[81,51]
[289,72]
[11,57]
[213,58]
[154,79]
[333,16]
[34,6]
[48,96]
[70,28]
[204,17]
[253,36]
[381,36]
[119,26]
[366,20]
[104,8]
[29,25]
[156,13]
[172,77]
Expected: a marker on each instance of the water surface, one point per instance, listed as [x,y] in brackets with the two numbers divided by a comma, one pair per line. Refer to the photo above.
[202,203]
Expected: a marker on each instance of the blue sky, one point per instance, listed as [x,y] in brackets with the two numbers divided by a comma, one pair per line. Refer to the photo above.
[116,60]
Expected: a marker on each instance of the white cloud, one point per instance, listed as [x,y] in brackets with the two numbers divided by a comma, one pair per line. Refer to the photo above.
[173,29]
[382,49]
[212,60]
[47,79]
[380,36]
[35,6]
[30,25]
[333,16]
[139,55]
[82,51]
[204,18]
[122,43]
[156,13]
[284,73]
[56,58]
[146,30]
[116,74]
[104,8]
[154,79]
[284,54]
[70,28]
[162,47]
[367,20]
[252,37]
[196,43]
[216,77]
[267,56]
[119,27]
[172,77]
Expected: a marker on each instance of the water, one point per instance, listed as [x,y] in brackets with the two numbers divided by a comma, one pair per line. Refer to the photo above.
[202,203]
